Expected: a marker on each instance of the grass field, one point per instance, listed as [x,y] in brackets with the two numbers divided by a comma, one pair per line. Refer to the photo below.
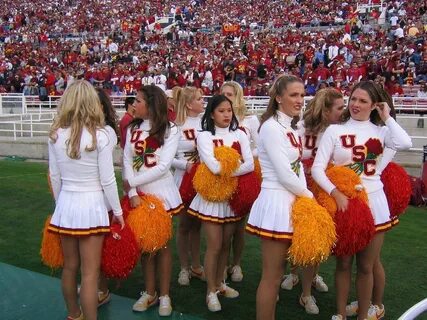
[25,202]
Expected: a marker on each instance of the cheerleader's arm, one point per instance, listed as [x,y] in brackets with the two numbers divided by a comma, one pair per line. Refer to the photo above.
[323,156]
[396,138]
[277,147]
[179,164]
[106,172]
[387,157]
[128,163]
[54,173]
[248,160]
[254,126]
[166,156]
[205,147]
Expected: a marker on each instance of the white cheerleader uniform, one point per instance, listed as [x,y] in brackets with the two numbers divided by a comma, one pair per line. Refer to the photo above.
[279,152]
[250,125]
[359,146]
[219,212]
[79,185]
[147,165]
[187,151]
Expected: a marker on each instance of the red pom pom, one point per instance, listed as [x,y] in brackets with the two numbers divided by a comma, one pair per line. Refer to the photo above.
[248,189]
[397,188]
[126,208]
[186,189]
[120,253]
[355,228]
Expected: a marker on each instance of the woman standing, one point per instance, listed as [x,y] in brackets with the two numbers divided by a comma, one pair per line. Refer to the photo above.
[280,151]
[150,148]
[249,124]
[189,106]
[359,143]
[81,171]
[324,109]
[219,125]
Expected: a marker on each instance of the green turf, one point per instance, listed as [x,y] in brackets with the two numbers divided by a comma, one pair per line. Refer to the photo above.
[25,202]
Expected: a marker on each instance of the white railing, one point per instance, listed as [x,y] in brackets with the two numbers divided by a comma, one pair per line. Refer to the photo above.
[415,311]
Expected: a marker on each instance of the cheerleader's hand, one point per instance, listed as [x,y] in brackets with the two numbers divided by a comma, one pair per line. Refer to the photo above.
[383,110]
[135,201]
[126,186]
[119,220]
[341,199]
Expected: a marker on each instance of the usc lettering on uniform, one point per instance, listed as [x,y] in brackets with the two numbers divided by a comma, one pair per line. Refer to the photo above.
[310,144]
[295,143]
[189,134]
[218,142]
[362,162]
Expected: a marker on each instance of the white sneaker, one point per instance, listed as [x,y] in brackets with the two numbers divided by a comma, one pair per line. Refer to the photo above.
[145,302]
[319,284]
[213,302]
[184,277]
[376,312]
[352,309]
[289,281]
[309,303]
[236,274]
[165,308]
[337,317]
[228,292]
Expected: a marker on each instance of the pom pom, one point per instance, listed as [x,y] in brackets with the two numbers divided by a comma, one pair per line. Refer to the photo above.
[120,253]
[397,188]
[346,181]
[257,168]
[151,224]
[314,233]
[212,187]
[248,189]
[51,250]
[126,208]
[229,159]
[186,189]
[355,228]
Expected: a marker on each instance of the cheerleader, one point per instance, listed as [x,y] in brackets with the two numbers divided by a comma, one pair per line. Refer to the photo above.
[324,109]
[81,171]
[150,148]
[279,152]
[189,106]
[219,125]
[368,129]
[377,306]
[249,124]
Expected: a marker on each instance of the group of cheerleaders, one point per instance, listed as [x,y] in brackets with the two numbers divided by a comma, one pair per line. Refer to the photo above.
[327,132]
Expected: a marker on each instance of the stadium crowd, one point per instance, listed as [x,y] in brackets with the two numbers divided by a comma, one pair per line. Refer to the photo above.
[45,45]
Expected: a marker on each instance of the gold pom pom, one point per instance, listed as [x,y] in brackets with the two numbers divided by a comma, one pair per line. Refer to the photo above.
[51,250]
[218,188]
[257,168]
[212,187]
[151,224]
[229,159]
[314,233]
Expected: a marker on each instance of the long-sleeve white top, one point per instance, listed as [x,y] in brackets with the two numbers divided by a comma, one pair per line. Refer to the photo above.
[187,150]
[206,143]
[144,160]
[279,152]
[250,124]
[345,145]
[94,171]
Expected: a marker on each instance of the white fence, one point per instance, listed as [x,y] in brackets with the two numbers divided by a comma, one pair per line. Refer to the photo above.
[27,116]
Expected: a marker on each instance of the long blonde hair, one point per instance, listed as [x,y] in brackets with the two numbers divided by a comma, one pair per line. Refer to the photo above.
[239,105]
[316,115]
[78,108]
[184,96]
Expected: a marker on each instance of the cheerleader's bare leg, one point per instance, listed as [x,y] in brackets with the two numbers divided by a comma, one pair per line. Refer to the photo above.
[90,256]
[70,249]
[379,282]
[164,269]
[364,280]
[183,239]
[273,266]
[238,242]
[214,237]
[194,240]
[148,263]
[227,232]
[342,282]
